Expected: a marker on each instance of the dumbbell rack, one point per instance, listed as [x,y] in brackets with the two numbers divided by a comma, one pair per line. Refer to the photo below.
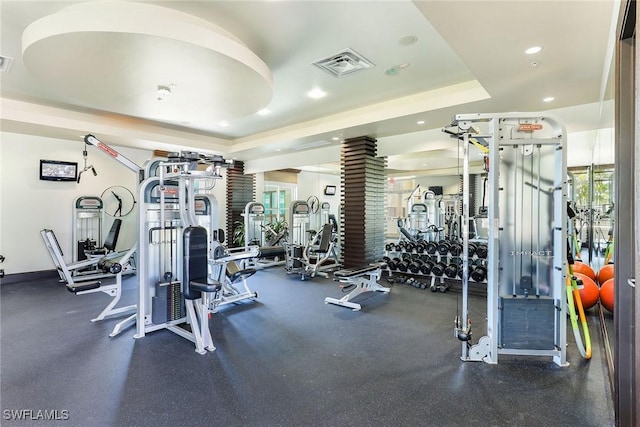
[441,261]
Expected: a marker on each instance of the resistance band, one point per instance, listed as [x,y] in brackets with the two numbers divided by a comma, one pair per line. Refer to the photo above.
[573,293]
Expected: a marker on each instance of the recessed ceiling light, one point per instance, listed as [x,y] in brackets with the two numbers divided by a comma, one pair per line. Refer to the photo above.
[278,149]
[548,99]
[420,122]
[223,124]
[264,112]
[533,50]
[316,93]
[335,138]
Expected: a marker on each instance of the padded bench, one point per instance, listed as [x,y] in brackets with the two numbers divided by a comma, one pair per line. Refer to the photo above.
[359,280]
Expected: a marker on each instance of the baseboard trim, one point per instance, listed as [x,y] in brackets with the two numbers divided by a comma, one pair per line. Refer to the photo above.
[29,276]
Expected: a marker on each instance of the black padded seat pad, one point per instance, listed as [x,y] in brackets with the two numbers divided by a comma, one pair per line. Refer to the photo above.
[79,287]
[244,274]
[358,271]
[205,287]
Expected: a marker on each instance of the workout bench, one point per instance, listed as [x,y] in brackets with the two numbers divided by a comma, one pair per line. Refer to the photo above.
[358,280]
[82,277]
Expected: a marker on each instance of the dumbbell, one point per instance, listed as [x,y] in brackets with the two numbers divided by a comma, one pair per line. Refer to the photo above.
[479,273]
[415,265]
[438,269]
[403,265]
[426,267]
[455,248]
[431,248]
[482,251]
[451,270]
[461,270]
[472,249]
[443,247]
[389,247]
[393,264]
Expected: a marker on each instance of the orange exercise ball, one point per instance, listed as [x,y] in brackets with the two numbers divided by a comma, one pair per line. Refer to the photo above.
[589,293]
[606,295]
[581,267]
[605,273]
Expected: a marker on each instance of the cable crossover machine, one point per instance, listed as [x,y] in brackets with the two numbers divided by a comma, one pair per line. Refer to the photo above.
[526,275]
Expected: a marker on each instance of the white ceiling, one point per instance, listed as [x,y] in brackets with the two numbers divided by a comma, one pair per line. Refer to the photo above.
[94,67]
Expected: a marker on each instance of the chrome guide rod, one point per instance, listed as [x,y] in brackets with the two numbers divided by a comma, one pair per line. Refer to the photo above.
[538,239]
[515,210]
[465,239]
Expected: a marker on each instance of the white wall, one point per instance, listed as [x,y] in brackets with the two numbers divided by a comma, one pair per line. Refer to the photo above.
[449,184]
[27,204]
[313,184]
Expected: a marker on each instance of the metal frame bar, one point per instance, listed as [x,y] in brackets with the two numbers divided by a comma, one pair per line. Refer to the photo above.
[627,160]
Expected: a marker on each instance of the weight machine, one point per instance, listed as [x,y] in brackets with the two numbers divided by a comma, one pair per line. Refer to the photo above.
[526,305]
[317,257]
[175,287]
[272,251]
[88,218]
[83,277]
[299,214]
[310,253]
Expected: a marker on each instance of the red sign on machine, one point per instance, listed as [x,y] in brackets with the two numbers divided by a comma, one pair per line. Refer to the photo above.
[529,127]
[107,149]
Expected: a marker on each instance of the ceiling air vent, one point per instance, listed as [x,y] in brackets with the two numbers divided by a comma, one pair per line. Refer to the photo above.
[5,64]
[344,63]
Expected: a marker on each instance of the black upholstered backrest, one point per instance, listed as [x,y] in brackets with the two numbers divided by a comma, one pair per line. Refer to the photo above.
[194,267]
[112,238]
[325,239]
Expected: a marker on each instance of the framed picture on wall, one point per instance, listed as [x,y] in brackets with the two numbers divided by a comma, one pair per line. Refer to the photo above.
[330,190]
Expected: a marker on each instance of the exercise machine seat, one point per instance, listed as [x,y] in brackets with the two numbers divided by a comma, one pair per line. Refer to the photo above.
[235,273]
[195,264]
[110,242]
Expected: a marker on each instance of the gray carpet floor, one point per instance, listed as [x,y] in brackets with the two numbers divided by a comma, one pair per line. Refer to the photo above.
[286,359]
